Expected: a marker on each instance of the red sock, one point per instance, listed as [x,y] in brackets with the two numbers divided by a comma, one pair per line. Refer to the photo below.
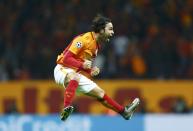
[113,103]
[70,92]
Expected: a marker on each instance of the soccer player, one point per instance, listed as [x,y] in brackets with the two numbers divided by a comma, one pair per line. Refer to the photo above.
[77,59]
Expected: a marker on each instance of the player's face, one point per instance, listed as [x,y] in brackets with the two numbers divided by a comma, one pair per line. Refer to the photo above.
[108,32]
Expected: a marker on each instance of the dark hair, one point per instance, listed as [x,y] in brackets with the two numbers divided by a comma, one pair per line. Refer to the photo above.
[99,22]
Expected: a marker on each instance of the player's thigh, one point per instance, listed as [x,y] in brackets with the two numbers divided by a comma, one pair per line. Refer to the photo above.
[63,75]
[86,85]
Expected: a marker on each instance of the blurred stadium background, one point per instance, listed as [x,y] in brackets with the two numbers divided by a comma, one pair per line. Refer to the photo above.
[151,57]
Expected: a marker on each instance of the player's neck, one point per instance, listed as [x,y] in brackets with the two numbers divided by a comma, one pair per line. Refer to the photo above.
[97,38]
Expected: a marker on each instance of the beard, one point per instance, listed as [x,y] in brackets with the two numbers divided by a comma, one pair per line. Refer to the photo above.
[105,38]
[108,40]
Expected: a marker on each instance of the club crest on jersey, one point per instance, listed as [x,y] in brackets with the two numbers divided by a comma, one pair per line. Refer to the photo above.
[78,44]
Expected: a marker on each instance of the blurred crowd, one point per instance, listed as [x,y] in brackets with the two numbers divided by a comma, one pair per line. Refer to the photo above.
[153,38]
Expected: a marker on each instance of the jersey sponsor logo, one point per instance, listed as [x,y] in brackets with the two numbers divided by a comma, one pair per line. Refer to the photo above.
[78,45]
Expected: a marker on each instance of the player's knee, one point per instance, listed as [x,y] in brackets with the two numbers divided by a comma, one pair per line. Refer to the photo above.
[73,76]
[76,77]
[101,94]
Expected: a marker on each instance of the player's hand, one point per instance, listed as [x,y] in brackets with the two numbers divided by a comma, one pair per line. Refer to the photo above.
[87,64]
[95,71]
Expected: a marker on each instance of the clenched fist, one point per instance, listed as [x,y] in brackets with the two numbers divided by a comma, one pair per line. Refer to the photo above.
[87,64]
[95,71]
